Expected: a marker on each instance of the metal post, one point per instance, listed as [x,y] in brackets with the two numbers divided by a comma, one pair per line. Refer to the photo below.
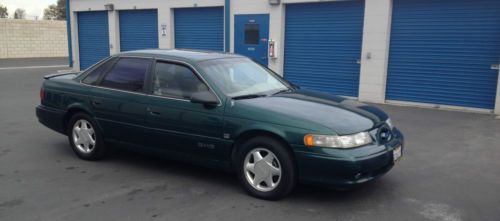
[227,30]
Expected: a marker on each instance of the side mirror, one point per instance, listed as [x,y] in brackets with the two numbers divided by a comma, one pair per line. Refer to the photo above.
[204,97]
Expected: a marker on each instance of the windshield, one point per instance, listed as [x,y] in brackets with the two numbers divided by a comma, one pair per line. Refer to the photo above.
[241,76]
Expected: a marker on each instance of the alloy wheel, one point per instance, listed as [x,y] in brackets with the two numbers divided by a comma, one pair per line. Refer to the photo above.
[262,169]
[84,136]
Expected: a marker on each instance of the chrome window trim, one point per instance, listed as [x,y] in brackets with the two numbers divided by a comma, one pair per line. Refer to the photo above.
[154,95]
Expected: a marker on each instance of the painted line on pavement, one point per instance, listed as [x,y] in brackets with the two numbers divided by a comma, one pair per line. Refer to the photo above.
[32,67]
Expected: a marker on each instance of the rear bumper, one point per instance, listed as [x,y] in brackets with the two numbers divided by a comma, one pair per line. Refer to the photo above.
[347,168]
[51,118]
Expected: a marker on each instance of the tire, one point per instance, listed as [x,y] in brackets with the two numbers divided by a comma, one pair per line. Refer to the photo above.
[91,146]
[275,155]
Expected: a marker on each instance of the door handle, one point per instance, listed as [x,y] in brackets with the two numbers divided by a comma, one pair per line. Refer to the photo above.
[154,112]
[358,61]
[96,103]
[495,67]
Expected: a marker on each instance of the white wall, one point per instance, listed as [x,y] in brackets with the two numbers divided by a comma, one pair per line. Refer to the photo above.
[497,103]
[375,51]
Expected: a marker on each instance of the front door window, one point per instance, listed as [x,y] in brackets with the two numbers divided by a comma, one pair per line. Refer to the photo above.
[177,81]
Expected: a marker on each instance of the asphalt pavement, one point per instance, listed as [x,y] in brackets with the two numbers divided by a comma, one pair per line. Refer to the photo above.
[450,171]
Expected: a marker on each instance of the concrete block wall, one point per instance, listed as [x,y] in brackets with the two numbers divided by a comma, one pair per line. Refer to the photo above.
[28,38]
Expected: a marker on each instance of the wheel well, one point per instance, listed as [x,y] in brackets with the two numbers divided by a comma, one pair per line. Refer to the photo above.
[255,133]
[70,113]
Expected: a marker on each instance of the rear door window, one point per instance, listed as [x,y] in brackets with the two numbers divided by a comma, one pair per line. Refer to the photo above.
[128,74]
[95,74]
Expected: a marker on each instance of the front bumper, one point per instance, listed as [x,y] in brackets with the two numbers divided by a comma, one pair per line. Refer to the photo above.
[51,118]
[347,167]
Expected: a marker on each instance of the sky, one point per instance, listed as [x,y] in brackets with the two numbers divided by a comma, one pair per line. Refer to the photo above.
[33,7]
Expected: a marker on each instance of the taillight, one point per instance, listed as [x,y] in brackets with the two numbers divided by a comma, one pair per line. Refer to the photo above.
[42,94]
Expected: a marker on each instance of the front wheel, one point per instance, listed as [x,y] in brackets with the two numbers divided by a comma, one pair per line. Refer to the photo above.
[266,168]
[85,138]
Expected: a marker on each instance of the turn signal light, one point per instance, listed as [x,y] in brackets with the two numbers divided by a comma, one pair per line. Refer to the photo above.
[309,140]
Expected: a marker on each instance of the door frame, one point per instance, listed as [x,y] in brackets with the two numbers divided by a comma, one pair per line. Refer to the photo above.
[240,36]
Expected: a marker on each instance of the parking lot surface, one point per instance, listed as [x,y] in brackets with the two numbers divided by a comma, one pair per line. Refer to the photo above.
[450,171]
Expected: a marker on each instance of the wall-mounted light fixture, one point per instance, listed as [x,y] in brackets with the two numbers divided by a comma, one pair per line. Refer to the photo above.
[274,2]
[109,7]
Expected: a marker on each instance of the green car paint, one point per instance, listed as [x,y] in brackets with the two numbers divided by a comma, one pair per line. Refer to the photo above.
[208,135]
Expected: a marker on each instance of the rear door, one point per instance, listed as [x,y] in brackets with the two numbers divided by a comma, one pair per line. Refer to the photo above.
[118,100]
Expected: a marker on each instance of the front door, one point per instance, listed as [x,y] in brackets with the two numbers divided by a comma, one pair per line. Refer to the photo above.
[251,35]
[174,123]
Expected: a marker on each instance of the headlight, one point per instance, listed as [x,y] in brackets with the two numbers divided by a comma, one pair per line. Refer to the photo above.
[347,141]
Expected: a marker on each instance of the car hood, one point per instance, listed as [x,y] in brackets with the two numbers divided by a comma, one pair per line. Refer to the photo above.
[311,110]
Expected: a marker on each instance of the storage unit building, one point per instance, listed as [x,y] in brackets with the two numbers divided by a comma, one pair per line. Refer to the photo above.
[436,53]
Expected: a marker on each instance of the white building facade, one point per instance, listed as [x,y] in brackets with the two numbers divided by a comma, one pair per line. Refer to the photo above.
[437,53]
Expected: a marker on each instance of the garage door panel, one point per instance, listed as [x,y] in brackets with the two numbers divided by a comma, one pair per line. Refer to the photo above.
[93,37]
[138,29]
[322,45]
[441,52]
[199,28]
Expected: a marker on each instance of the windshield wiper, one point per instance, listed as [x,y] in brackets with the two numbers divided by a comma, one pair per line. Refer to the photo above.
[282,91]
[248,96]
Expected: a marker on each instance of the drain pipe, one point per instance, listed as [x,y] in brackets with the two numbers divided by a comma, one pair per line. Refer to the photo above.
[68,29]
[227,31]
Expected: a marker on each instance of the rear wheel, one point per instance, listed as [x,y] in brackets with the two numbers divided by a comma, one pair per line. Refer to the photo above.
[266,168]
[85,138]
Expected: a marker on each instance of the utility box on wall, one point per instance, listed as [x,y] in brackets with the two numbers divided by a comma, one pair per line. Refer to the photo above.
[272,49]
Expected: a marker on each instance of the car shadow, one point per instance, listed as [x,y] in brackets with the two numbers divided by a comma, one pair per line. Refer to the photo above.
[126,158]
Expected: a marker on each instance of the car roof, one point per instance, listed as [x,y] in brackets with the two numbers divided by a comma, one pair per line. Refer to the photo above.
[187,55]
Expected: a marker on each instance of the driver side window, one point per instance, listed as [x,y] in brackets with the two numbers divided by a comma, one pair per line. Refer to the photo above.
[177,81]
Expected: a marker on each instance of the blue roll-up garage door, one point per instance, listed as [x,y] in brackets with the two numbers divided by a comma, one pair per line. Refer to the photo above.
[323,44]
[441,52]
[93,37]
[138,29]
[199,28]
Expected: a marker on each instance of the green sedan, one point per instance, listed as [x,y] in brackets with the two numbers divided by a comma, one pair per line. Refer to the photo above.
[224,111]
